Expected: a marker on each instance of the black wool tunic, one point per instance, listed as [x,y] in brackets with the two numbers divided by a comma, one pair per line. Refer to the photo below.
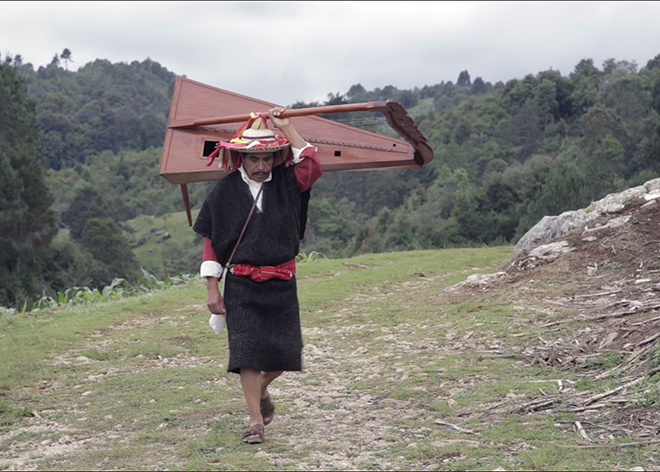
[263,318]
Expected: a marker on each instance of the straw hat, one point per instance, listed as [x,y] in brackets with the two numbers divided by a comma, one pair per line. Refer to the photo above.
[255,136]
[252,137]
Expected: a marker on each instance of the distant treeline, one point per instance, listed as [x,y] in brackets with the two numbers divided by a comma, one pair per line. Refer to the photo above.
[505,156]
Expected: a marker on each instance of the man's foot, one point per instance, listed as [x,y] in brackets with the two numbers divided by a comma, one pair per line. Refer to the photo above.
[267,410]
[254,434]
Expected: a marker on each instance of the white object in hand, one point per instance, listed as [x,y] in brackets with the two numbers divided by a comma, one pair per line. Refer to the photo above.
[217,322]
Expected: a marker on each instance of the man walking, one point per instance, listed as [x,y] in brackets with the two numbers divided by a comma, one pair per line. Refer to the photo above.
[252,223]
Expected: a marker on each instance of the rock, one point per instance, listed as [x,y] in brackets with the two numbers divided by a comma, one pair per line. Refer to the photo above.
[613,223]
[551,227]
[652,186]
[480,280]
[546,250]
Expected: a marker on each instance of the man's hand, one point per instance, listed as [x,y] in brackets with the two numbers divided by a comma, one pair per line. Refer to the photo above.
[214,300]
[284,124]
[274,115]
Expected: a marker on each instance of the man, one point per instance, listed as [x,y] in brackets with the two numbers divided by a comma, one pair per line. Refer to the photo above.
[260,296]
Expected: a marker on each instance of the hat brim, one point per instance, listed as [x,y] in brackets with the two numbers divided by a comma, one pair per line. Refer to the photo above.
[256,149]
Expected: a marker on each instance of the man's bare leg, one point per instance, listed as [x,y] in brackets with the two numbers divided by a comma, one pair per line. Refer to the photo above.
[251,383]
[266,379]
[267,408]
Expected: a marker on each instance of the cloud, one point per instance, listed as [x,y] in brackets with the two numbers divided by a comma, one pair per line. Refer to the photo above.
[287,51]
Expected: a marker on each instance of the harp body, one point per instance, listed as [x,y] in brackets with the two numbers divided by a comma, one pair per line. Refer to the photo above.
[201,116]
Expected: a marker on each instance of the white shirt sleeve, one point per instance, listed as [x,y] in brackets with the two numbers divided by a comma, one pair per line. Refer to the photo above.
[210,269]
[295,152]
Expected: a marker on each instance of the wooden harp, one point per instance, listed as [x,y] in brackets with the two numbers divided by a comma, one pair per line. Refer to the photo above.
[201,116]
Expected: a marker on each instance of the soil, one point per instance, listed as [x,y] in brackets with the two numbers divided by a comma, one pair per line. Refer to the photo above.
[605,272]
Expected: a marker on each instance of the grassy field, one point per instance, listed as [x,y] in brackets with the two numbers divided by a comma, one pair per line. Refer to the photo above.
[148,234]
[397,376]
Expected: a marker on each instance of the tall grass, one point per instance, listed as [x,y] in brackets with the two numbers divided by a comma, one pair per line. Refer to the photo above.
[119,288]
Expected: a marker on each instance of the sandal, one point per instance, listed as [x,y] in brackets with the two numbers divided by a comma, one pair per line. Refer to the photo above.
[267,410]
[254,434]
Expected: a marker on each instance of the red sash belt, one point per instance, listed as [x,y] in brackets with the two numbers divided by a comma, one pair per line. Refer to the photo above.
[284,271]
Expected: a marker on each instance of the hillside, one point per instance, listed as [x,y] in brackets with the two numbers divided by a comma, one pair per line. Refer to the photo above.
[165,244]
[506,156]
[597,287]
[544,358]
[605,275]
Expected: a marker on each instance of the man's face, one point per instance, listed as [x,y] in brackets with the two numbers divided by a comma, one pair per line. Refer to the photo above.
[258,165]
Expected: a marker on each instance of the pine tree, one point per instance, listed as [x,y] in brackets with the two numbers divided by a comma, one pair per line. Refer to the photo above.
[27,223]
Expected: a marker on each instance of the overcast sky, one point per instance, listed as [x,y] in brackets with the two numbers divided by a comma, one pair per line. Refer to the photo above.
[282,52]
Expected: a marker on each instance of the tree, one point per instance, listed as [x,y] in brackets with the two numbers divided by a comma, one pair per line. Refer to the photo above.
[86,204]
[613,69]
[463,79]
[649,153]
[600,121]
[27,223]
[327,222]
[104,239]
[604,166]
[479,86]
[585,81]
[563,90]
[545,95]
[653,63]
[357,94]
[563,190]
[470,222]
[66,56]
[631,100]
[336,99]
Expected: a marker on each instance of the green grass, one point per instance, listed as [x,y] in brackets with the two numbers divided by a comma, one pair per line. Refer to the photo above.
[151,229]
[141,383]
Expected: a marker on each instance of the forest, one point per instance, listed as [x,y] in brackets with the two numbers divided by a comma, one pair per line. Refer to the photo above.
[80,152]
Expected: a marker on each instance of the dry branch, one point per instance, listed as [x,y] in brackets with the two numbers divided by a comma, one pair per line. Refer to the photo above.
[582,432]
[632,444]
[632,311]
[456,427]
[595,398]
